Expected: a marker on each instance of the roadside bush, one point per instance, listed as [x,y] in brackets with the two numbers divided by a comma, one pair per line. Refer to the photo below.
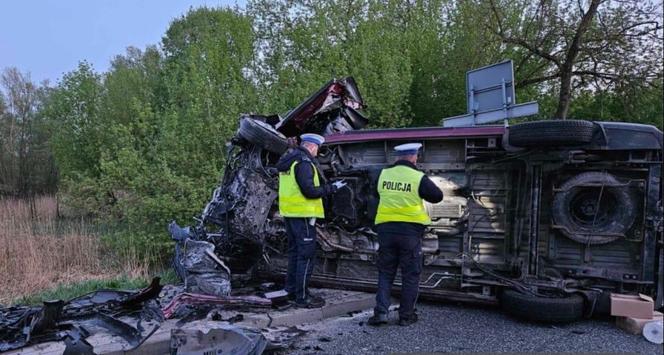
[144,143]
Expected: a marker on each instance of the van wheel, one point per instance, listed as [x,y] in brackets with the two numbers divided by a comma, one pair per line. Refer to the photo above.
[551,133]
[576,211]
[564,309]
[263,135]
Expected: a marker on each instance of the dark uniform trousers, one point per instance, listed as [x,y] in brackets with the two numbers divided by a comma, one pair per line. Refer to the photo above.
[301,255]
[402,251]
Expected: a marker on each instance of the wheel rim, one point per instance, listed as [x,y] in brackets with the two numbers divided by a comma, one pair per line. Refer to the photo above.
[590,207]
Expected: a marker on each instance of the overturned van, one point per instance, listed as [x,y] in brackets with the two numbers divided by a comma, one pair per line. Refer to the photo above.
[545,218]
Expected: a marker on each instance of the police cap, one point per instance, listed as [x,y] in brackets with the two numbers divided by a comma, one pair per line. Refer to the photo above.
[407,149]
[312,138]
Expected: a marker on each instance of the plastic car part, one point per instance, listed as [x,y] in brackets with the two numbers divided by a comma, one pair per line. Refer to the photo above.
[564,309]
[225,339]
[74,320]
[203,273]
[75,343]
[551,133]
[584,210]
[209,301]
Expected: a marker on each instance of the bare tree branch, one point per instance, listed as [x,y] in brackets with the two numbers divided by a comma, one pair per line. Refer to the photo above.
[581,42]
[595,74]
[530,81]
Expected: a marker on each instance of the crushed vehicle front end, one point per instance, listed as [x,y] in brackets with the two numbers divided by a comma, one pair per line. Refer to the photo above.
[241,221]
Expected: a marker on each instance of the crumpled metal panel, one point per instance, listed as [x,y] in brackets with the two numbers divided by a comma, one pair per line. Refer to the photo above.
[337,98]
[196,263]
[74,320]
[226,339]
[209,302]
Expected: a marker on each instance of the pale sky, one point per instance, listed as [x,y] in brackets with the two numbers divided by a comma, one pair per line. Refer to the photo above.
[49,37]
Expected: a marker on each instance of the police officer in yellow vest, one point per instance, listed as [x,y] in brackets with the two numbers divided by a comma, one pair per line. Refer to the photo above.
[301,189]
[400,223]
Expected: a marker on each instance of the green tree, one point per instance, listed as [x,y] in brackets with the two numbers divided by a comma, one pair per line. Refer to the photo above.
[78,136]
[409,58]
[144,143]
[26,165]
[579,44]
[304,44]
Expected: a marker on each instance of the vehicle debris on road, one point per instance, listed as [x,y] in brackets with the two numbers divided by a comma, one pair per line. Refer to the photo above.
[133,316]
[225,339]
[173,309]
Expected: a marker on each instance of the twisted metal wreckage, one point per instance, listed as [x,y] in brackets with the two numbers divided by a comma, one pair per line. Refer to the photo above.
[528,220]
[134,316]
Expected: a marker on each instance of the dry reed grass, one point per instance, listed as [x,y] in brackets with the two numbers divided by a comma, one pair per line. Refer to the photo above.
[39,251]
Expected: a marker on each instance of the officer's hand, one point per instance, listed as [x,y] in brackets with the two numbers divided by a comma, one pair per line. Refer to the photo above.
[339,184]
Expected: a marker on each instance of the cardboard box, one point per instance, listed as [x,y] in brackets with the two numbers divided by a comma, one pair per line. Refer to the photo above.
[635,325]
[636,306]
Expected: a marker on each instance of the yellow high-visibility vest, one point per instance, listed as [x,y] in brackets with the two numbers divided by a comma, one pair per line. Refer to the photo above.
[292,203]
[400,200]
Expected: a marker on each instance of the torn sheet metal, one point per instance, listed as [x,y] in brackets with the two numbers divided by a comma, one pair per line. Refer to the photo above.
[209,302]
[337,101]
[196,263]
[241,219]
[204,272]
[75,343]
[134,316]
[226,339]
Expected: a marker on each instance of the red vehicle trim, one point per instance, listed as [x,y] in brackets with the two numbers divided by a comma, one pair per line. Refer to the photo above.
[413,133]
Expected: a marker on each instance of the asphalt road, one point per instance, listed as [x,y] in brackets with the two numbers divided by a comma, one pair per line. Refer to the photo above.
[460,328]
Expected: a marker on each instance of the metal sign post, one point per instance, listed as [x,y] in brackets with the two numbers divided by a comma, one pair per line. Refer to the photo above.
[491,98]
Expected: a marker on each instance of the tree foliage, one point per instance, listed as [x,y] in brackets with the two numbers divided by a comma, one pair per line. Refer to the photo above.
[26,163]
[144,142]
[581,44]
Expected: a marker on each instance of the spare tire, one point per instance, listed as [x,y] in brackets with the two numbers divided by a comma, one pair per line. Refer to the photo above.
[551,133]
[578,215]
[263,135]
[565,309]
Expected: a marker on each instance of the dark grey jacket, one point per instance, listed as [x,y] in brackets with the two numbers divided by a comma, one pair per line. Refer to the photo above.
[304,173]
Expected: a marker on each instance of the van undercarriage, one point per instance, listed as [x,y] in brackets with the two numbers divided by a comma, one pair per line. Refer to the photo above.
[579,214]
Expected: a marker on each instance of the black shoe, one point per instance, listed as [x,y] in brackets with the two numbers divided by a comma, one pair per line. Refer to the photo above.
[315,298]
[406,321]
[377,319]
[291,295]
[310,302]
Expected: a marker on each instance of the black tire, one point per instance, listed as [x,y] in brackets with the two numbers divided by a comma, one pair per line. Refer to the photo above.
[602,304]
[551,133]
[575,212]
[542,309]
[262,135]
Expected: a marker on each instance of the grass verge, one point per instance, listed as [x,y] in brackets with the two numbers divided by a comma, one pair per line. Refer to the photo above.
[75,289]
[40,252]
